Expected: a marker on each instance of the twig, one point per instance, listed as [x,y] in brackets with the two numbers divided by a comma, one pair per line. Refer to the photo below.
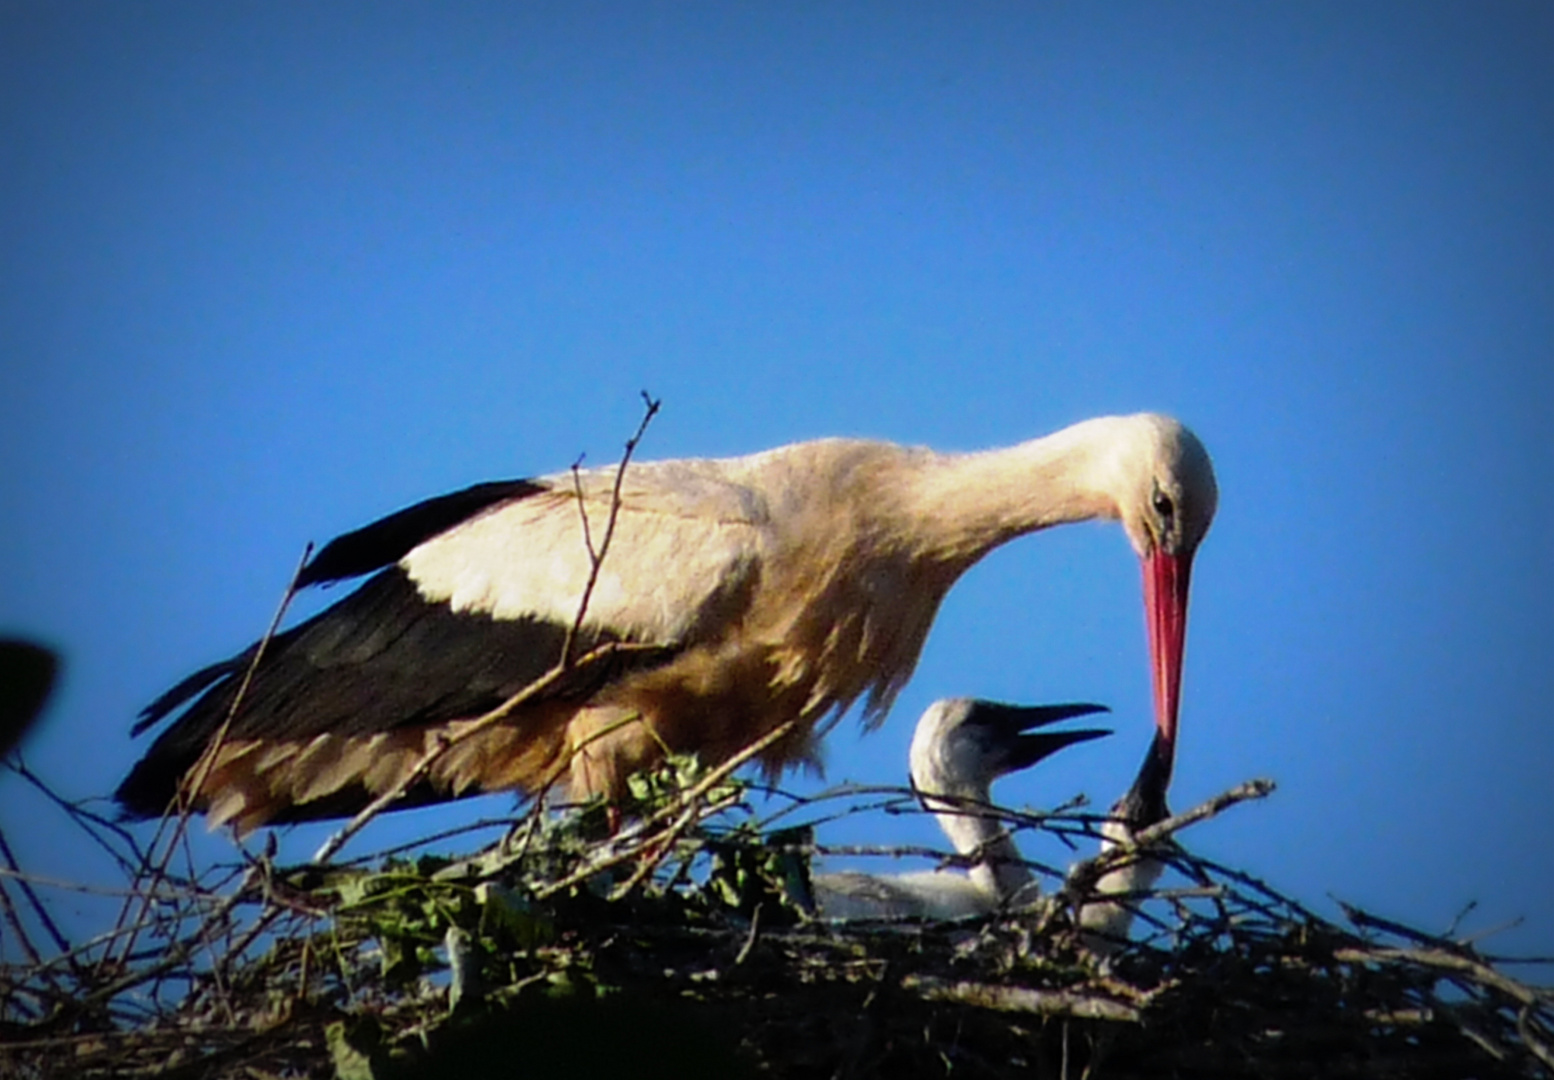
[1467,909]
[433,838]
[1539,1048]
[1022,999]
[37,905]
[1086,872]
[596,558]
[175,954]
[542,791]
[129,864]
[188,789]
[1447,961]
[755,932]
[8,909]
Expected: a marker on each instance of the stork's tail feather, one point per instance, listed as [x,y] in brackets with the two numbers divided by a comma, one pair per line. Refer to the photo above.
[191,688]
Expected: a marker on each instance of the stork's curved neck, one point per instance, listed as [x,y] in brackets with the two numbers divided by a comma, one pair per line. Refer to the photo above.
[971,503]
[963,812]
[998,870]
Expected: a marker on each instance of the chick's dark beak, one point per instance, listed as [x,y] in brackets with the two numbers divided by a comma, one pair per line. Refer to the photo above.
[1012,726]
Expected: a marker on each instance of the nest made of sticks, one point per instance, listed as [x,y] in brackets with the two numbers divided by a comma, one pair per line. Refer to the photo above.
[683,945]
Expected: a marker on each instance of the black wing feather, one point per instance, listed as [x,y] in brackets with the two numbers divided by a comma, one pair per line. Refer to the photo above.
[387,540]
[188,688]
[382,658]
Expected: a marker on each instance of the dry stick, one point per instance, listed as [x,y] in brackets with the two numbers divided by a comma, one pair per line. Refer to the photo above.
[207,930]
[563,667]
[656,848]
[722,771]
[595,564]
[183,799]
[1539,1048]
[1275,898]
[1021,999]
[596,559]
[1365,920]
[32,898]
[1447,961]
[81,816]
[691,796]
[235,952]
[82,951]
[1488,932]
[176,953]
[961,806]
[1467,909]
[44,881]
[1087,871]
[433,838]
[750,939]
[8,908]
[530,823]
[626,854]
[896,797]
[189,789]
[1083,877]
[301,996]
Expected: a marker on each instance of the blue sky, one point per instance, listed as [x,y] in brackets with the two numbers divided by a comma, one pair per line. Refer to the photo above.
[268,273]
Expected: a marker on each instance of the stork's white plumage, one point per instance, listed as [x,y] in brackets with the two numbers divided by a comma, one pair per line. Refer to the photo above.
[783,586]
[960,747]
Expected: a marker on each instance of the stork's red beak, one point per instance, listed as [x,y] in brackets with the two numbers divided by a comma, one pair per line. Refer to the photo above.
[1165,608]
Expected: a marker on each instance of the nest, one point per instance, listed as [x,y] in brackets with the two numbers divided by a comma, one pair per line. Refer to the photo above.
[683,945]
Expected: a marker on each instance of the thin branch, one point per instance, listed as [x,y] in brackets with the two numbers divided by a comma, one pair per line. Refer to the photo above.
[182,803]
[18,930]
[86,819]
[1021,999]
[175,954]
[37,905]
[596,558]
[1442,960]
[1086,872]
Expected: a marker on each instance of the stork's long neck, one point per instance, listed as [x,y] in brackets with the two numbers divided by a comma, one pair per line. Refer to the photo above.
[999,870]
[1143,805]
[971,503]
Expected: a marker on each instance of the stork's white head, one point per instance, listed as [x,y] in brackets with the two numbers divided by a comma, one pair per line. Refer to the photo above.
[963,744]
[1163,483]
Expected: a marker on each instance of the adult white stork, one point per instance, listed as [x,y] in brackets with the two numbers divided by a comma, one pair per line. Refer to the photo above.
[780,586]
[960,747]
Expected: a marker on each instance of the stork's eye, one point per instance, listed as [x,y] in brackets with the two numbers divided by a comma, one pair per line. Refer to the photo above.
[1163,505]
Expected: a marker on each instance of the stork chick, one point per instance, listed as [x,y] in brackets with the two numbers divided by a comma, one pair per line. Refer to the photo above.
[960,747]
[1106,923]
